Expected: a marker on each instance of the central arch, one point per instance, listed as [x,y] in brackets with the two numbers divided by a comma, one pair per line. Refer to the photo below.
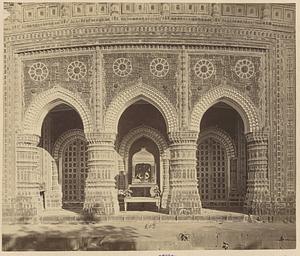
[134,94]
[231,96]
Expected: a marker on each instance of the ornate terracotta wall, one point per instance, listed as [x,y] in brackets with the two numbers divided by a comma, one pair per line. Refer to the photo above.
[101,57]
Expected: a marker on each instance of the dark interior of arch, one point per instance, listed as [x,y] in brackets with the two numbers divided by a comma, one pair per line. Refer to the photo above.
[59,120]
[223,116]
[141,113]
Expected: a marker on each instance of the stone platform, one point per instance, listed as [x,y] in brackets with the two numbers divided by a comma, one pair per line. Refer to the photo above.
[64,216]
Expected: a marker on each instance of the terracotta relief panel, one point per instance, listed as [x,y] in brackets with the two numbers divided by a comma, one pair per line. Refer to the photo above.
[154,69]
[74,73]
[240,71]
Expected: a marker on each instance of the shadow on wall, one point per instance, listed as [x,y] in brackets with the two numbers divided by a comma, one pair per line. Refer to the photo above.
[88,238]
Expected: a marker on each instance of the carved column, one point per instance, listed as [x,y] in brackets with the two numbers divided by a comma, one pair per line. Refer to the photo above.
[258,195]
[166,178]
[184,196]
[28,201]
[100,191]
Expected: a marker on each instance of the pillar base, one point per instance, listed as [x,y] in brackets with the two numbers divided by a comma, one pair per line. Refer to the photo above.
[184,202]
[27,208]
[101,201]
[165,199]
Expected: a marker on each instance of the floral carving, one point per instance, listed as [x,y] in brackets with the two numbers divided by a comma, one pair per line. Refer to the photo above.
[244,68]
[204,69]
[38,71]
[76,70]
[122,67]
[159,67]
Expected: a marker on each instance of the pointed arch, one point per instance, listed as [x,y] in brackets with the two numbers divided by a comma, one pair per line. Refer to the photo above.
[139,132]
[221,136]
[231,96]
[133,94]
[65,138]
[49,99]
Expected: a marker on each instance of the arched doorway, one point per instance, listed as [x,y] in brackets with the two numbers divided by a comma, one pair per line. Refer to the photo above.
[212,172]
[70,154]
[142,128]
[221,158]
[62,136]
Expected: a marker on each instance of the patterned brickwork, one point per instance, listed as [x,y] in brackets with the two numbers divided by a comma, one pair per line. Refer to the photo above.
[225,69]
[290,142]
[95,12]
[73,73]
[140,68]
[9,164]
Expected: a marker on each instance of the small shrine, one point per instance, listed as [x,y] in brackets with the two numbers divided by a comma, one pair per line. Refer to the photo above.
[144,187]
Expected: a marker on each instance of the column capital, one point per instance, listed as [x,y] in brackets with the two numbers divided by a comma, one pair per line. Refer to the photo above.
[183,137]
[257,137]
[28,139]
[100,138]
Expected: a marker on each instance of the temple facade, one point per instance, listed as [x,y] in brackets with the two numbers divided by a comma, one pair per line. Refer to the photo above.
[149,106]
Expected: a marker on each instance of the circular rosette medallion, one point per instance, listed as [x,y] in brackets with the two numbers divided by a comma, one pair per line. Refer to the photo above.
[244,68]
[38,71]
[159,67]
[76,70]
[122,67]
[204,69]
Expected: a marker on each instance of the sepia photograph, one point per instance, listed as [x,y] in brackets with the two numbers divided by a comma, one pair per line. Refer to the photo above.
[142,127]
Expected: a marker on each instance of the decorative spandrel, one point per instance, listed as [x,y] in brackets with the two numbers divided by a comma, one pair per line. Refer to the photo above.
[143,168]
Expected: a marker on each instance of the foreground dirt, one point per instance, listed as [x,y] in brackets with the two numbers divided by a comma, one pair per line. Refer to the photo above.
[149,236]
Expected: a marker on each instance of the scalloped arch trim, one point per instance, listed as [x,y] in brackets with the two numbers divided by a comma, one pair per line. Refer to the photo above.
[139,132]
[233,97]
[133,94]
[49,99]
[64,139]
[221,136]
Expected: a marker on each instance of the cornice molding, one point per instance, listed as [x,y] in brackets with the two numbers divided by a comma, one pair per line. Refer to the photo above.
[29,16]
